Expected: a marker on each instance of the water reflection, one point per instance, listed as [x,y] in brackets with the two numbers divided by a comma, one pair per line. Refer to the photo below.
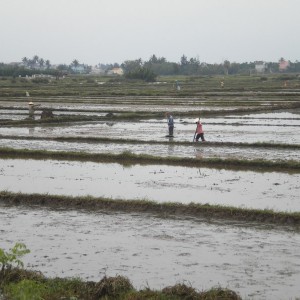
[171,148]
[199,153]
[278,191]
[31,130]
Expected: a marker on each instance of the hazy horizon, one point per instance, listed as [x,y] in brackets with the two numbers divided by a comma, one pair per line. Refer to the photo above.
[98,31]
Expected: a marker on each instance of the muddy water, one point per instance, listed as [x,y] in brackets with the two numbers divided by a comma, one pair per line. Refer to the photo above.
[133,105]
[23,114]
[256,261]
[277,191]
[193,151]
[158,131]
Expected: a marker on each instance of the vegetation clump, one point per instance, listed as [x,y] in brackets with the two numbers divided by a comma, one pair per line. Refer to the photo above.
[181,291]
[112,286]
[11,259]
[19,284]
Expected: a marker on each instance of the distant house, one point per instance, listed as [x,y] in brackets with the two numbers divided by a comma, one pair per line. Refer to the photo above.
[283,65]
[115,71]
[260,67]
[78,69]
[97,70]
[16,64]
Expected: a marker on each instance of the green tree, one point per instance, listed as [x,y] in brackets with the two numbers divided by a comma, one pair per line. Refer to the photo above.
[226,65]
[75,63]
[183,60]
[48,65]
[41,62]
[25,60]
[132,65]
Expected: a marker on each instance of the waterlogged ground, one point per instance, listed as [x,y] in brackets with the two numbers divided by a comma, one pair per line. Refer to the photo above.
[133,104]
[258,261]
[161,183]
[163,150]
[157,130]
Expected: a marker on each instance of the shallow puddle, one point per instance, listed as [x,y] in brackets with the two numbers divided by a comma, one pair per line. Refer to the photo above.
[259,262]
[161,183]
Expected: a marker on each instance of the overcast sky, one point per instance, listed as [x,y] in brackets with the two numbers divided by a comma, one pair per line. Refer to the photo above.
[108,31]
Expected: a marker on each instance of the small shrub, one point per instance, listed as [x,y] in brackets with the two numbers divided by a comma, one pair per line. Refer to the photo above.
[12,258]
[263,78]
[40,80]
[220,293]
[181,291]
[113,286]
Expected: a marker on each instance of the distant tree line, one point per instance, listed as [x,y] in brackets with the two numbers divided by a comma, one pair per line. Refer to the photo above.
[144,70]
[155,66]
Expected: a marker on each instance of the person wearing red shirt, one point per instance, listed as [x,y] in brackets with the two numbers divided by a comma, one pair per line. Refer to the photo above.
[199,131]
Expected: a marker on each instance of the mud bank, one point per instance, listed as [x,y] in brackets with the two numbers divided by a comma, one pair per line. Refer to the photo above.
[259,262]
[165,210]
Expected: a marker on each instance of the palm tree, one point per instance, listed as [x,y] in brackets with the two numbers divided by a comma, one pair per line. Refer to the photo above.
[75,63]
[25,61]
[48,64]
[35,59]
[41,62]
[226,65]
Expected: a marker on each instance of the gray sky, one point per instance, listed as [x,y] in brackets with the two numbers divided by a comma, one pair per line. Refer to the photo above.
[108,31]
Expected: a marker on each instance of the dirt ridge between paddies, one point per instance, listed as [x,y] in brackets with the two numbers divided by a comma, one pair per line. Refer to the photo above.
[128,158]
[165,210]
[94,140]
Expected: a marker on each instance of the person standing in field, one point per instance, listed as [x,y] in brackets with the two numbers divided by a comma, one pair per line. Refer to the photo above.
[199,133]
[31,108]
[170,124]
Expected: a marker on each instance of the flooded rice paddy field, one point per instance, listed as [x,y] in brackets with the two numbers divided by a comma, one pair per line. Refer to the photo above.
[159,183]
[162,150]
[83,109]
[23,114]
[147,131]
[212,99]
[258,261]
[216,101]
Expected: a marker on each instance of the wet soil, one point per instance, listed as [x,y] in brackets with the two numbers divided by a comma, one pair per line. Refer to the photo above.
[160,183]
[158,130]
[162,150]
[259,262]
